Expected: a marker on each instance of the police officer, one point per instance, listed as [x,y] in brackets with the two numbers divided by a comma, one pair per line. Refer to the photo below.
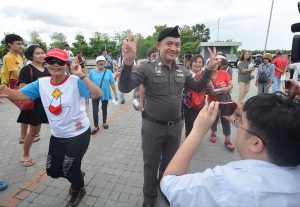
[162,123]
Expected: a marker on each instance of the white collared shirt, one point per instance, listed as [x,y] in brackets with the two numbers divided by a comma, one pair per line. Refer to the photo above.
[239,183]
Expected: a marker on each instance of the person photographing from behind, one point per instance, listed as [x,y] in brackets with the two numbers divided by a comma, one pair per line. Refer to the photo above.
[268,141]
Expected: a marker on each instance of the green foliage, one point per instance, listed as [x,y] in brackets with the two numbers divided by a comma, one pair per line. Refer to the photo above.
[191,36]
[35,39]
[58,40]
[100,42]
[80,44]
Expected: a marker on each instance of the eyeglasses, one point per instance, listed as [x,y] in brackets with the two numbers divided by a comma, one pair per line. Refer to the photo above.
[53,61]
[237,123]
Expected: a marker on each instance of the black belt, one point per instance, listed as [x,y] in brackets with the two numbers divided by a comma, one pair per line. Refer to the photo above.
[168,123]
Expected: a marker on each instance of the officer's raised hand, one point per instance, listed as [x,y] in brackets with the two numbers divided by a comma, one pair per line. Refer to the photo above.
[129,48]
[214,61]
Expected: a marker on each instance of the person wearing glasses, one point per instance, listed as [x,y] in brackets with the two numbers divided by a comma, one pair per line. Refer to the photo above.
[268,141]
[63,98]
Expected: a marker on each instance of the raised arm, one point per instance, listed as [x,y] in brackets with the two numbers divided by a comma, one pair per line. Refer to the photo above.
[182,158]
[200,85]
[127,79]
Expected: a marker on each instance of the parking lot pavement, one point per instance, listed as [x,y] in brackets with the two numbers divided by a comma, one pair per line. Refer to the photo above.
[113,162]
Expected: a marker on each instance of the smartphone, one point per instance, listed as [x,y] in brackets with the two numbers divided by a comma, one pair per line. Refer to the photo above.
[227,108]
[287,84]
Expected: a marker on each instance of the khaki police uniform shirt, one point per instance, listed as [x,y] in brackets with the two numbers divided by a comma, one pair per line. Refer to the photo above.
[163,86]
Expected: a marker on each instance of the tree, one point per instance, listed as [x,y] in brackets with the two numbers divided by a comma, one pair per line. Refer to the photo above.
[58,40]
[192,36]
[35,39]
[82,45]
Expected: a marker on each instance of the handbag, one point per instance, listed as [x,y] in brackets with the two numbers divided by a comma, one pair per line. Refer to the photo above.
[25,104]
[263,78]
[195,100]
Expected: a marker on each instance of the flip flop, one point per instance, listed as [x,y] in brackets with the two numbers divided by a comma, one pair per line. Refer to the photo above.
[27,163]
[3,185]
[35,139]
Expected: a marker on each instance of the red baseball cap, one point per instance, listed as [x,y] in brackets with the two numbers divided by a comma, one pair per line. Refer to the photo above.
[57,53]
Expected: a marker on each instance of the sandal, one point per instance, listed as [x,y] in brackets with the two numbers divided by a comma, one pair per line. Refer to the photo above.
[213,138]
[229,146]
[36,139]
[94,131]
[21,141]
[27,163]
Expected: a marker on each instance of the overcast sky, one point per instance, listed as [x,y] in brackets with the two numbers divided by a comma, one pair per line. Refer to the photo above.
[240,20]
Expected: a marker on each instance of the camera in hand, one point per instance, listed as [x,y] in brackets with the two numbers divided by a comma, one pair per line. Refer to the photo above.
[287,84]
[227,108]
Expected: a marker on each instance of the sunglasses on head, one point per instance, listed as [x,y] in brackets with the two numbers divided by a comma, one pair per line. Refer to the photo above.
[57,61]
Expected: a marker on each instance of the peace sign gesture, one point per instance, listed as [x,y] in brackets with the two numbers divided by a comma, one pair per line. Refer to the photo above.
[214,61]
[129,48]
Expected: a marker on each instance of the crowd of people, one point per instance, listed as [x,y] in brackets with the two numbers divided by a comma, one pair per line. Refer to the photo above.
[169,95]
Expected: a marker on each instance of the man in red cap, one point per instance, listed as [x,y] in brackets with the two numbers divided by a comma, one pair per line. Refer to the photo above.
[162,123]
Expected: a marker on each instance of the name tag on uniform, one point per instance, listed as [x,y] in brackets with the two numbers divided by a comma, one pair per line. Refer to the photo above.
[179,74]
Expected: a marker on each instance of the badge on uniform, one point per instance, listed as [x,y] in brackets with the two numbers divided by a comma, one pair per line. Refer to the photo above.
[179,70]
[158,69]
[179,74]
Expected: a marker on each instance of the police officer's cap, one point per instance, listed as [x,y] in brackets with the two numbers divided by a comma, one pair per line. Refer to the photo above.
[169,32]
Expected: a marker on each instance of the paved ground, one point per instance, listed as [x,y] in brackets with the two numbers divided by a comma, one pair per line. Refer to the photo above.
[113,162]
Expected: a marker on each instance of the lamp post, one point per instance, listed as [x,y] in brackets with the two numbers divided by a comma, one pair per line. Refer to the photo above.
[218,29]
[269,26]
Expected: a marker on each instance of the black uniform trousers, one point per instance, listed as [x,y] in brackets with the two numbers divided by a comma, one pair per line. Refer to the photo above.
[159,144]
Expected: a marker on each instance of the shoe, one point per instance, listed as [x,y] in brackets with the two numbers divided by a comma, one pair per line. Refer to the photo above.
[147,205]
[3,185]
[213,138]
[76,198]
[27,163]
[105,126]
[229,146]
[36,139]
[71,190]
[94,131]
[21,141]
[122,102]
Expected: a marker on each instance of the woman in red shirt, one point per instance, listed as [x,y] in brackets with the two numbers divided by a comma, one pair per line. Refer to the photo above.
[221,86]
[192,108]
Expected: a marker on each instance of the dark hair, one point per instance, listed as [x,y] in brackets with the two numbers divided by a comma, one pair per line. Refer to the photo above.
[194,58]
[30,50]
[10,38]
[224,64]
[242,58]
[151,51]
[276,120]
[188,56]
[67,45]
